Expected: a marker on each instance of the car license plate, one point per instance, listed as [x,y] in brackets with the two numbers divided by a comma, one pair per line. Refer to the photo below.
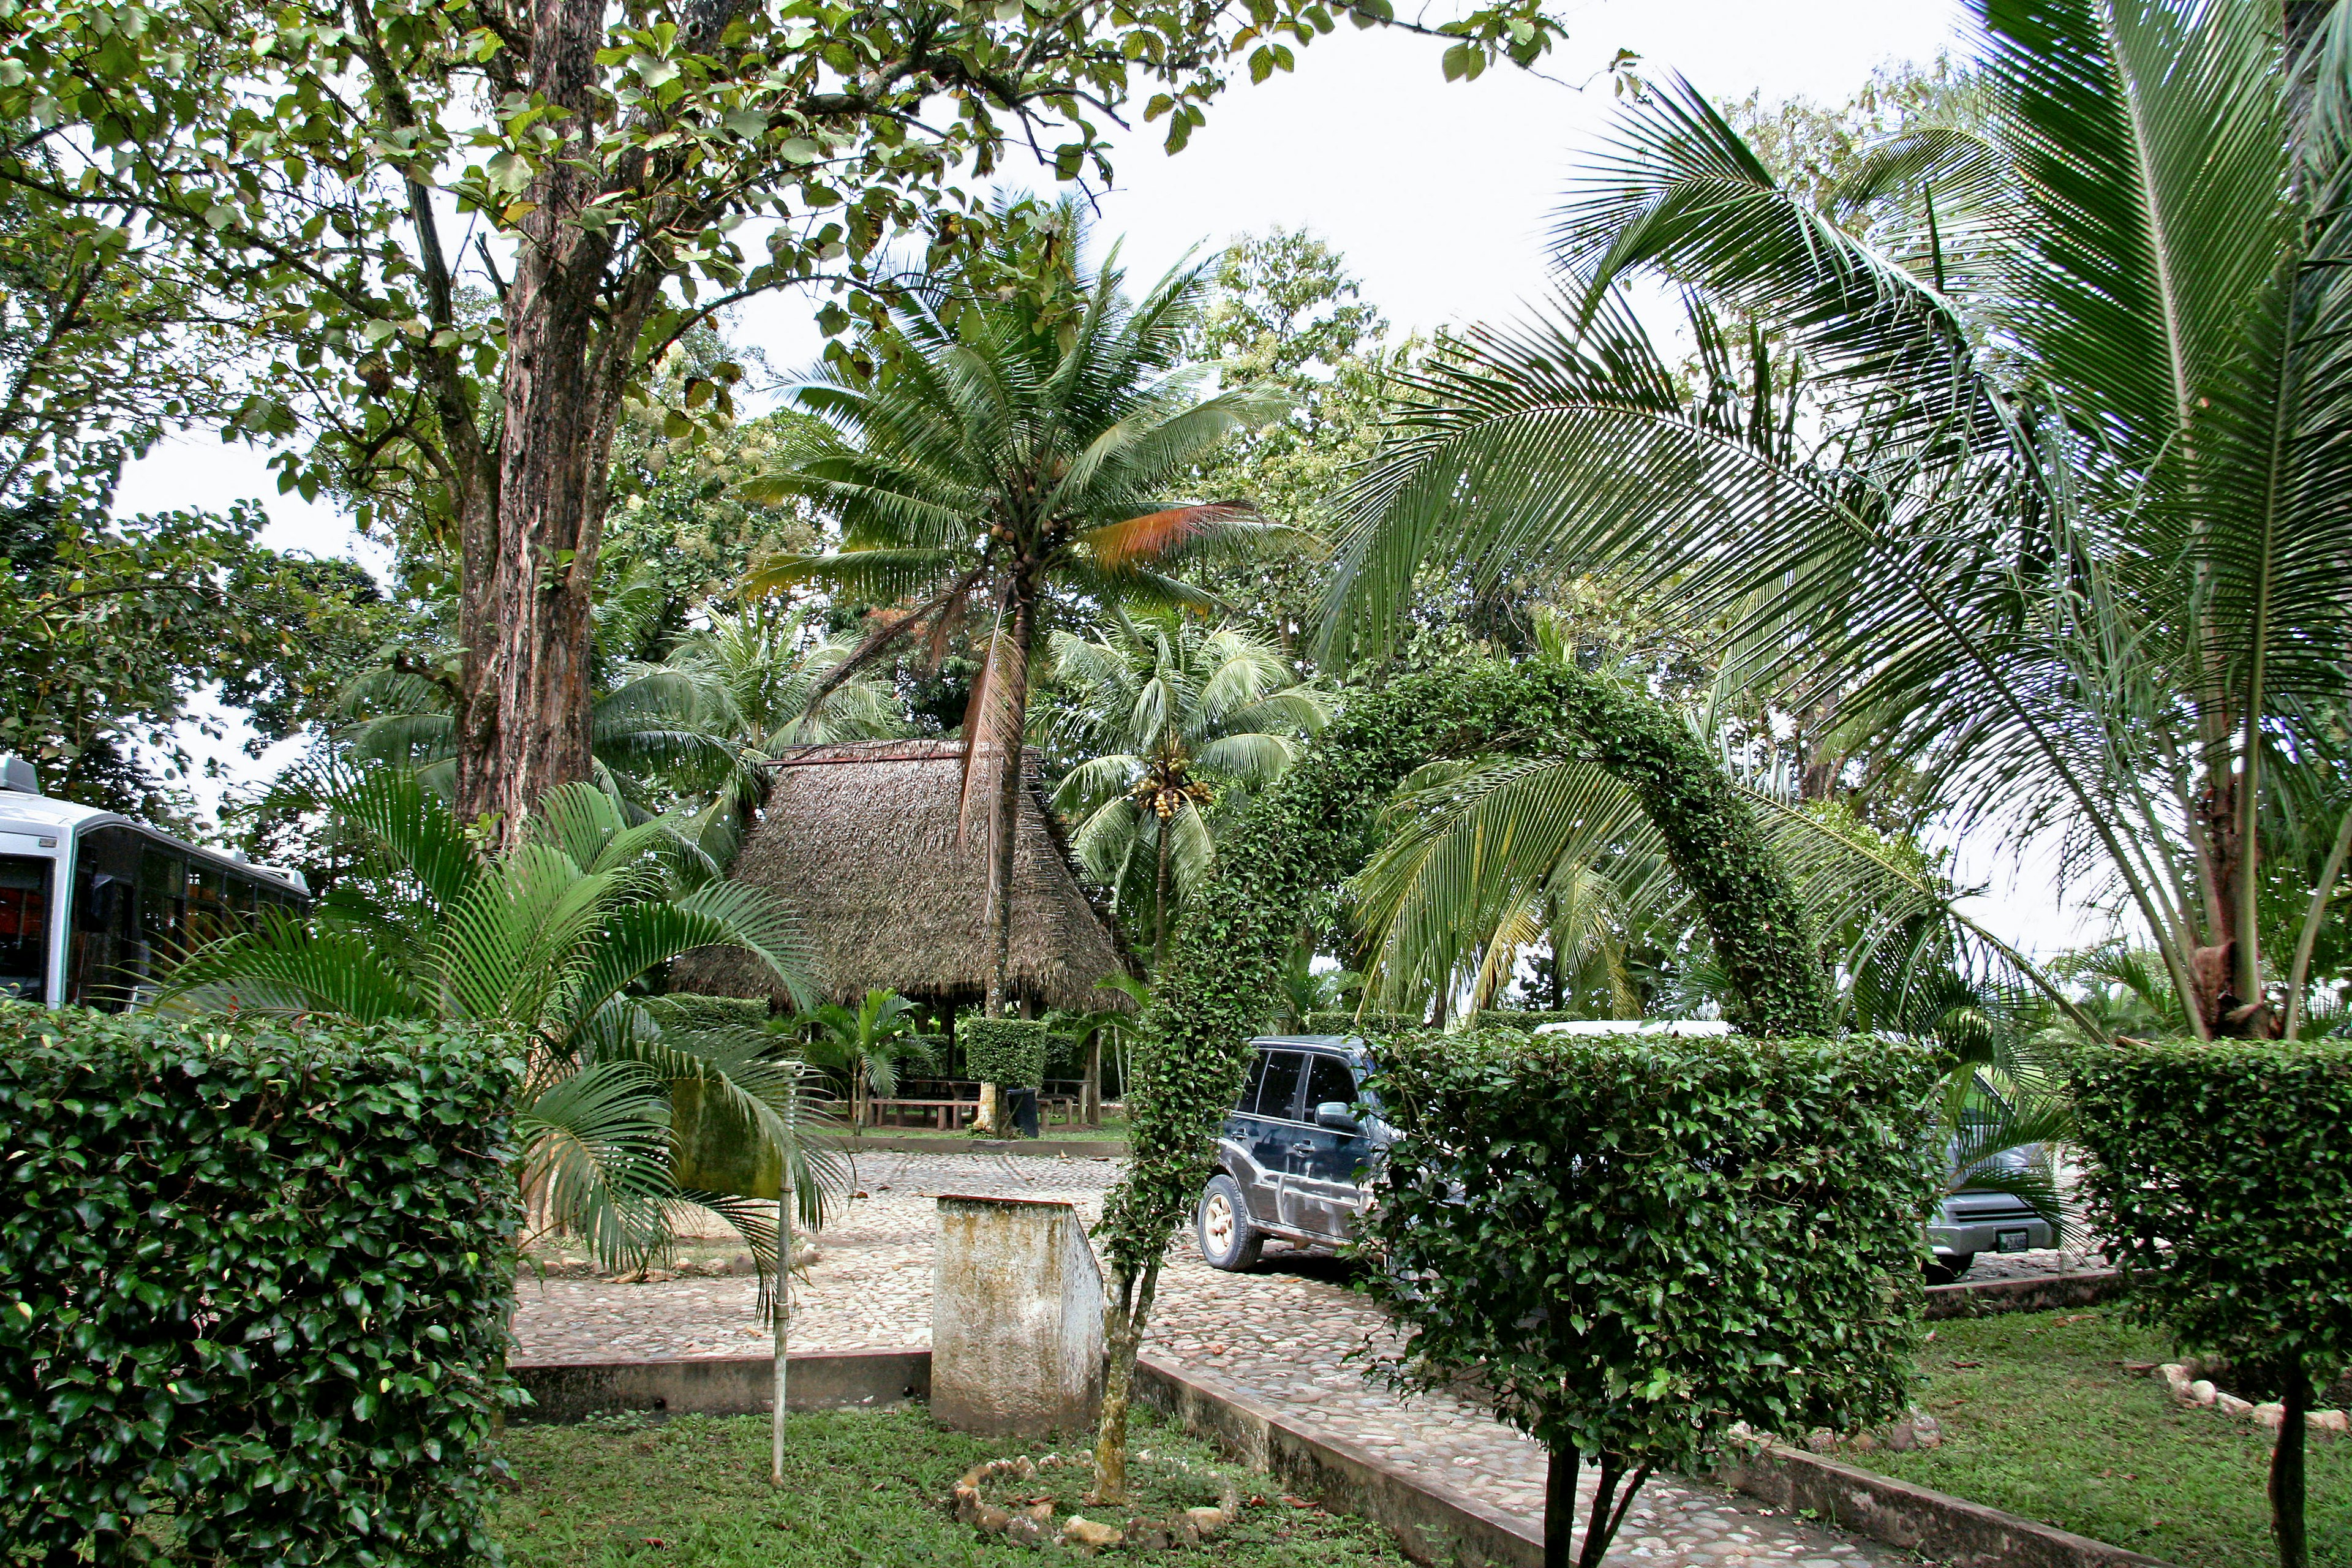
[2012,1240]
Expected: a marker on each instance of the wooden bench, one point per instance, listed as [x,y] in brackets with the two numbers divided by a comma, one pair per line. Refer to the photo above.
[947,1115]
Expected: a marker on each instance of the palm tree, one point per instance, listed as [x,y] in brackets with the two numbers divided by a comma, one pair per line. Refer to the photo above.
[1007,462]
[544,946]
[868,1045]
[2070,542]
[1168,714]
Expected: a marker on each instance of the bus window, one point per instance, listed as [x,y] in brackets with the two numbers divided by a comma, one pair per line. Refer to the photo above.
[25,884]
[207,903]
[162,908]
[109,958]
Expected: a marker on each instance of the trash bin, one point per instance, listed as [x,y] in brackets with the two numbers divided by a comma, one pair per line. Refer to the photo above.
[1022,1105]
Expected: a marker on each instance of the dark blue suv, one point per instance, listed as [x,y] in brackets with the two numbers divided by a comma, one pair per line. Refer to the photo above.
[1294,1155]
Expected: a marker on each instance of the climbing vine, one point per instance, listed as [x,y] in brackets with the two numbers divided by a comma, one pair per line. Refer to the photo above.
[1314,829]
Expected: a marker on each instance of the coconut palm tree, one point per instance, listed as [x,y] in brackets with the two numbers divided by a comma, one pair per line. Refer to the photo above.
[1012,459]
[2063,532]
[544,948]
[1170,715]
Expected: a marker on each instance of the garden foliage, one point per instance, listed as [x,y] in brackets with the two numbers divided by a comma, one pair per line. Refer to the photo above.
[692,1012]
[261,1269]
[1009,1052]
[2221,1175]
[1640,1240]
[1312,829]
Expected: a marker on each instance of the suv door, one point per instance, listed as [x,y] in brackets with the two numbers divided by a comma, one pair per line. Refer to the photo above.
[1320,1193]
[1263,1126]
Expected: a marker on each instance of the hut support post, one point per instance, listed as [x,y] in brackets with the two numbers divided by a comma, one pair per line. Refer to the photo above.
[1090,1093]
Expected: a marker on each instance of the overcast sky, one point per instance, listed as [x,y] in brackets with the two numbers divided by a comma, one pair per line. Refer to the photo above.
[1437,194]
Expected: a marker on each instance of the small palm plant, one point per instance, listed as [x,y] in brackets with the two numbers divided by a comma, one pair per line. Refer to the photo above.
[869,1046]
[545,946]
[1167,712]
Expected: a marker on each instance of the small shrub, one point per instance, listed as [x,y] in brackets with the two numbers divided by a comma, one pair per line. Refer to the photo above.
[263,1269]
[2221,1172]
[1639,1241]
[1008,1052]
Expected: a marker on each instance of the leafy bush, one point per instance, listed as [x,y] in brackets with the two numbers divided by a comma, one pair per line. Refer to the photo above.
[1348,1022]
[1639,1240]
[262,1268]
[2222,1173]
[1008,1052]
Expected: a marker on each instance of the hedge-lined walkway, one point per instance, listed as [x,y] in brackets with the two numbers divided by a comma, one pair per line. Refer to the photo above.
[1282,1332]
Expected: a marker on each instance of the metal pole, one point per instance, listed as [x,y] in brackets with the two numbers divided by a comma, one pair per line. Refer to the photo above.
[784,1319]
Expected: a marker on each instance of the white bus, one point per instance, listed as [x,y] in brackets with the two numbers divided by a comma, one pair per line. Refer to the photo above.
[93,904]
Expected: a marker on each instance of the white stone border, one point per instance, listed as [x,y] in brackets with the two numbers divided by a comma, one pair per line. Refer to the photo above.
[2185,1382]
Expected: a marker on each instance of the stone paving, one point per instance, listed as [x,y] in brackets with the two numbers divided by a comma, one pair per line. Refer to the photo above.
[1284,1332]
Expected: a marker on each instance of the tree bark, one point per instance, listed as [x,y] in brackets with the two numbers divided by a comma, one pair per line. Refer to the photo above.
[1560,1506]
[1091,1092]
[1124,1315]
[1005,828]
[530,557]
[2286,1486]
[1160,902]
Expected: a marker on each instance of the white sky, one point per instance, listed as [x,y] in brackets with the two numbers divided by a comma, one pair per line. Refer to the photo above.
[1436,194]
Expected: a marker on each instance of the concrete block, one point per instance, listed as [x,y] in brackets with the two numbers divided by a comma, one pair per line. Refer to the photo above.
[1016,1318]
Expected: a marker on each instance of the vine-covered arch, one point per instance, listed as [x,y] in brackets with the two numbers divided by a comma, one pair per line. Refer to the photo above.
[1313,829]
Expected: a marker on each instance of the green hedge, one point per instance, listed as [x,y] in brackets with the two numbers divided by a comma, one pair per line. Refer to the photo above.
[261,1269]
[1640,1240]
[2222,1173]
[1344,1023]
[1008,1052]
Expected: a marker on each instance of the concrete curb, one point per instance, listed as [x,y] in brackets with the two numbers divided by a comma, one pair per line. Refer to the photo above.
[2035,1293]
[1432,1522]
[565,1391]
[1945,1529]
[1074,1148]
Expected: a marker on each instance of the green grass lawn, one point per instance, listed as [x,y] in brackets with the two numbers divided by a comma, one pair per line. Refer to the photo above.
[2040,1419]
[862,1487]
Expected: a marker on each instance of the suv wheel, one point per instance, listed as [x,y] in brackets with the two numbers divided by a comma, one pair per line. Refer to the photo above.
[1949,1267]
[1223,1227]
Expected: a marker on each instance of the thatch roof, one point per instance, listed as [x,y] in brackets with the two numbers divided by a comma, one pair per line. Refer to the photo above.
[867,841]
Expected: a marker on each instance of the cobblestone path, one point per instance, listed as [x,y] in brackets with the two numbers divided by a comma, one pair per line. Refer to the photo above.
[1282,1332]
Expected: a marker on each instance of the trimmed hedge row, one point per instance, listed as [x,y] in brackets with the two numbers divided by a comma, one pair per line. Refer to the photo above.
[2223,1172]
[1639,1240]
[2220,1171]
[1008,1052]
[263,1269]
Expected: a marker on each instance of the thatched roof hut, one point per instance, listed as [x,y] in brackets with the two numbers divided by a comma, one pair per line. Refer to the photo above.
[866,840]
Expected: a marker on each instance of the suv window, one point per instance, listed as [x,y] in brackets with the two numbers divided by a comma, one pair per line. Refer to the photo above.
[1248,1103]
[1278,1096]
[1328,1079]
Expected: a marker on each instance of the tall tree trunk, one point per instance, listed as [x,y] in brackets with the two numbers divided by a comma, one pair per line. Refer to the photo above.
[1090,1091]
[1560,1506]
[1160,901]
[1005,830]
[2286,1486]
[529,559]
